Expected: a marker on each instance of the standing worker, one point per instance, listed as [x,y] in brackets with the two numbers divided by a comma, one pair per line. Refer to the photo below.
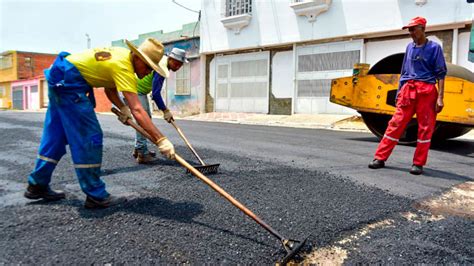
[423,66]
[153,83]
[71,119]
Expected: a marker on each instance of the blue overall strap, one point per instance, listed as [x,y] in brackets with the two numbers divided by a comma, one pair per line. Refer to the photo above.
[63,74]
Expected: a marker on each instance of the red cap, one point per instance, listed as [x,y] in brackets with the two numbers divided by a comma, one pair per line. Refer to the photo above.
[415,22]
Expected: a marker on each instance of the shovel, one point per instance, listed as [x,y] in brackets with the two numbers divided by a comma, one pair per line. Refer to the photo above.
[203,168]
[291,246]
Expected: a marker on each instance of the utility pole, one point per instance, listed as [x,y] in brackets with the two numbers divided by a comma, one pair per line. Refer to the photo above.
[88,41]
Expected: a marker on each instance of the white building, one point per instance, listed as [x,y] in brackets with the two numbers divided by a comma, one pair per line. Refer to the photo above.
[278,56]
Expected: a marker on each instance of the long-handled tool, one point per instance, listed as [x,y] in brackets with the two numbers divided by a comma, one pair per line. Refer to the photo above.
[203,168]
[291,246]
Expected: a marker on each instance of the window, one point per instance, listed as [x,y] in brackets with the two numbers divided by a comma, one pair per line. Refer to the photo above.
[28,61]
[3,92]
[237,7]
[6,61]
[183,80]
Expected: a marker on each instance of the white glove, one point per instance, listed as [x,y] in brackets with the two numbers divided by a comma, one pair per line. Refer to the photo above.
[166,148]
[168,116]
[126,114]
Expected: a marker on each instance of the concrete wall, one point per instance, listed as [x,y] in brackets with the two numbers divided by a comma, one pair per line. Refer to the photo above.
[274,22]
[5,99]
[185,105]
[281,82]
[463,49]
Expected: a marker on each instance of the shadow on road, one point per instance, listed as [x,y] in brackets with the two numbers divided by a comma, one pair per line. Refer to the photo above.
[459,147]
[434,173]
[182,212]
[455,146]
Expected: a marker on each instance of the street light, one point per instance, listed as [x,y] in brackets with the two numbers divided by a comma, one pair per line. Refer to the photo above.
[88,41]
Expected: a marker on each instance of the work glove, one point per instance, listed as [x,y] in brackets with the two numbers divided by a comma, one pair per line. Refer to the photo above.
[166,148]
[125,114]
[168,116]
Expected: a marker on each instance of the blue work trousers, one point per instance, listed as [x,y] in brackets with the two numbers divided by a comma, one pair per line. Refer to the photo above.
[70,119]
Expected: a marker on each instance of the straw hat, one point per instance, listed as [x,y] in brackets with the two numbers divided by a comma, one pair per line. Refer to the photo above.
[150,51]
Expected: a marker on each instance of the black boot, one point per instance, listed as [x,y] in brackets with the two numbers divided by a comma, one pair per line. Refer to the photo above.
[92,203]
[376,164]
[416,169]
[135,153]
[43,192]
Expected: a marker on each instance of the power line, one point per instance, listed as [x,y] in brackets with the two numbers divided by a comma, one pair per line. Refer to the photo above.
[187,8]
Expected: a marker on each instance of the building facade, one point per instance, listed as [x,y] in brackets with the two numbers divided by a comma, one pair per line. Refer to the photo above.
[21,79]
[182,90]
[278,57]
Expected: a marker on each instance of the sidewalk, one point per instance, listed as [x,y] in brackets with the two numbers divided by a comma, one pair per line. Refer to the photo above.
[321,121]
[352,123]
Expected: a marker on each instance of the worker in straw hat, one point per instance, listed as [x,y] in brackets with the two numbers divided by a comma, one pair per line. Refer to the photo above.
[71,119]
[153,83]
[423,67]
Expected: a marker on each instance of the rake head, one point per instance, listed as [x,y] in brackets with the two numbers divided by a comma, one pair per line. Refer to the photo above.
[292,247]
[206,169]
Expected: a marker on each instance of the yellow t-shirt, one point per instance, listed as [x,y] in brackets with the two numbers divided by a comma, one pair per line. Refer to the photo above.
[106,67]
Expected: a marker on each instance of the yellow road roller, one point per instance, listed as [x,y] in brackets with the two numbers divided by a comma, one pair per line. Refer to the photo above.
[372,93]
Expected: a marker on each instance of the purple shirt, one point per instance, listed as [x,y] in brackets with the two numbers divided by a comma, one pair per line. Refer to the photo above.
[425,63]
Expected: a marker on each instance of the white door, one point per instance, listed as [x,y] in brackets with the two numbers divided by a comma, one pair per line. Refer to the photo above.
[242,83]
[34,98]
[316,66]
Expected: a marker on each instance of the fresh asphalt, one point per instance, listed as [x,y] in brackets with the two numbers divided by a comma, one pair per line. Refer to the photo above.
[300,181]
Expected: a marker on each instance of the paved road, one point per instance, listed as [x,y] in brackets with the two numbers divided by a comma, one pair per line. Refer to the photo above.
[300,181]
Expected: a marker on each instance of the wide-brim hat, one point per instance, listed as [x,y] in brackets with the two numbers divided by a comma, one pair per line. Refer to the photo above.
[416,21]
[150,51]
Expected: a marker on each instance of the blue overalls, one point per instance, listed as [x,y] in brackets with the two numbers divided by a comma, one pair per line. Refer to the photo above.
[70,119]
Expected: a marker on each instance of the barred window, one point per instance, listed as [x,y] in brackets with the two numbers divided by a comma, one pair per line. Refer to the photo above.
[328,61]
[6,61]
[237,7]
[249,68]
[314,88]
[183,80]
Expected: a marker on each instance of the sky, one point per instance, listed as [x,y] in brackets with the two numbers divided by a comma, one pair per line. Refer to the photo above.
[51,26]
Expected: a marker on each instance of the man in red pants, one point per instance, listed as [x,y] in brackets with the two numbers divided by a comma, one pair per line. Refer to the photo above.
[423,66]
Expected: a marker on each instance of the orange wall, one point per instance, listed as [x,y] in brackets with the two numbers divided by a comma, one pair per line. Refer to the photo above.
[102,102]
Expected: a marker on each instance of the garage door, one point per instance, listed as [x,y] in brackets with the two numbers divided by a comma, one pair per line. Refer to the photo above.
[17,98]
[241,83]
[317,65]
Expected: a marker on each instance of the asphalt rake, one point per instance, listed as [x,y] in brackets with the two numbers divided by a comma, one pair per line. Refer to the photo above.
[291,246]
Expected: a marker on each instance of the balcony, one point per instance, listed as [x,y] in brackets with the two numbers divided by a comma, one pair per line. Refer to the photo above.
[236,22]
[310,8]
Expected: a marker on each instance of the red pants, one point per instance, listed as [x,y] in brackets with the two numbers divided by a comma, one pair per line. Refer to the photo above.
[414,97]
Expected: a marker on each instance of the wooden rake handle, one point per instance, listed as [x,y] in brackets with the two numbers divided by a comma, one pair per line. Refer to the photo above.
[180,132]
[208,181]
